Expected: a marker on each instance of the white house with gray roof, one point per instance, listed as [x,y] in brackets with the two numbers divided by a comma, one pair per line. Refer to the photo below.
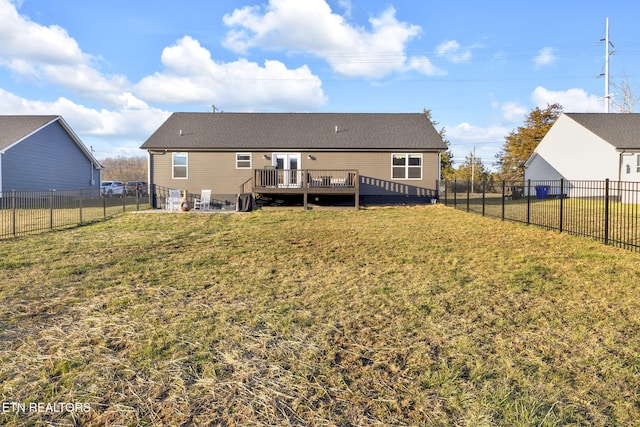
[377,157]
[588,146]
[44,153]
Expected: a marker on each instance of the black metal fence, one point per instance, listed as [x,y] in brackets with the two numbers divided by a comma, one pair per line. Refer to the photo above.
[160,198]
[608,211]
[27,212]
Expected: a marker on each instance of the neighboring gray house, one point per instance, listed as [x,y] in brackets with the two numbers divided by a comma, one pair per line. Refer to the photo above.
[378,158]
[43,153]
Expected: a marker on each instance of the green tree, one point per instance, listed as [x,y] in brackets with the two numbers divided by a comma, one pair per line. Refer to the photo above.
[472,169]
[446,157]
[520,143]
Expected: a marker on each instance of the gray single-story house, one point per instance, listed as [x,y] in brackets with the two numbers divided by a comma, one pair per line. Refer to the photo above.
[44,153]
[378,158]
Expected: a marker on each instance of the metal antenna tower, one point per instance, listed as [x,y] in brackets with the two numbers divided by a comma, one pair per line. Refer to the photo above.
[608,53]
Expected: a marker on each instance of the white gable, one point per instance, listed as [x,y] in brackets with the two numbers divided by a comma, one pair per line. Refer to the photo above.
[573,152]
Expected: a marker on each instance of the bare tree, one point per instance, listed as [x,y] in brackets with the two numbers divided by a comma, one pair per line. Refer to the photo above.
[628,101]
[124,168]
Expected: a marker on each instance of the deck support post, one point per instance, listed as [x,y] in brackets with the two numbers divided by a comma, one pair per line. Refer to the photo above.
[357,191]
[309,181]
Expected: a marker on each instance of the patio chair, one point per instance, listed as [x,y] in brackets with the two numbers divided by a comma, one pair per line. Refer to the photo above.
[172,202]
[204,201]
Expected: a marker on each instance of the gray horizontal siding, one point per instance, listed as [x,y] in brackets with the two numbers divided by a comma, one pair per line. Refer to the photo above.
[48,159]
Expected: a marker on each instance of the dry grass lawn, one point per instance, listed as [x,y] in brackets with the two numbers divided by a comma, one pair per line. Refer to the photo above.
[389,316]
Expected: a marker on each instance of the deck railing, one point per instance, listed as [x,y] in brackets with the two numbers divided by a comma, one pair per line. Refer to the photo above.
[343,179]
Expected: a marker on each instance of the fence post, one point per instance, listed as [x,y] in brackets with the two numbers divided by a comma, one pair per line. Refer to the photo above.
[446,199]
[606,211]
[484,189]
[529,201]
[13,212]
[504,196]
[104,206]
[153,200]
[80,206]
[561,203]
[455,193]
[51,209]
[468,194]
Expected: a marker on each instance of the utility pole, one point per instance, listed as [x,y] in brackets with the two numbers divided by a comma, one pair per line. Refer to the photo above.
[607,43]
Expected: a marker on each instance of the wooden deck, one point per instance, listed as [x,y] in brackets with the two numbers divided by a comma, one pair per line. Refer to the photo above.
[306,182]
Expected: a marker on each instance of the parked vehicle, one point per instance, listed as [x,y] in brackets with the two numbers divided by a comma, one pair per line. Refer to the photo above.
[138,188]
[112,188]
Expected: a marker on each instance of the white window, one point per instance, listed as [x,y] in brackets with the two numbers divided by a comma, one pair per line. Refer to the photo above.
[243,160]
[180,165]
[406,166]
[638,163]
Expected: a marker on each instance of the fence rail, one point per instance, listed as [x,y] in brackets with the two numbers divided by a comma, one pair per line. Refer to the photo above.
[28,212]
[304,178]
[159,196]
[608,211]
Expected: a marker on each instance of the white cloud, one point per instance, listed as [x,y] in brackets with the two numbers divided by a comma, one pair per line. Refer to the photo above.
[27,40]
[423,65]
[311,26]
[545,57]
[451,51]
[511,111]
[572,100]
[346,5]
[50,55]
[487,141]
[191,76]
[467,133]
[125,129]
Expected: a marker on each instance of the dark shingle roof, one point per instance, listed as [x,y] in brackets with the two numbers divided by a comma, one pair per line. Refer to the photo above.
[242,131]
[622,130]
[14,128]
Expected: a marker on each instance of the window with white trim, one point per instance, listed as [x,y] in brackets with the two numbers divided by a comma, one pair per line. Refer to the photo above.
[406,166]
[243,160]
[180,166]
[638,163]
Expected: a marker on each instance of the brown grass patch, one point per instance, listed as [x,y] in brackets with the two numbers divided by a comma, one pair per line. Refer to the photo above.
[390,316]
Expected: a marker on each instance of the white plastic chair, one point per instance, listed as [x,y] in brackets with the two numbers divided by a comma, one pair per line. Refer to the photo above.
[172,203]
[204,201]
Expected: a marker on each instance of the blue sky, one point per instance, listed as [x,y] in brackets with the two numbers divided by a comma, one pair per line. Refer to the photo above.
[116,69]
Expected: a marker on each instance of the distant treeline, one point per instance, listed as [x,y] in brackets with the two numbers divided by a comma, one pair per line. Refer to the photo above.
[124,168]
